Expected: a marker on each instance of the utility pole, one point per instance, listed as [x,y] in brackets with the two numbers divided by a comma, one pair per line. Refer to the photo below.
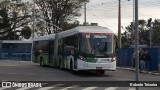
[15,3]
[33,19]
[15,18]
[150,37]
[85,12]
[133,26]
[137,43]
[119,24]
[150,31]
[14,26]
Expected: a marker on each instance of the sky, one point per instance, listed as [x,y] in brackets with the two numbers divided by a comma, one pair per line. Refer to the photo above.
[105,12]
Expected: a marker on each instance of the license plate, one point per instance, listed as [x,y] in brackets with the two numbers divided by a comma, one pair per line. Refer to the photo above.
[104,60]
[98,68]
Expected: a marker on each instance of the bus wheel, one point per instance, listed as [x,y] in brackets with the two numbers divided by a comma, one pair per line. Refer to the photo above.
[71,68]
[60,63]
[42,62]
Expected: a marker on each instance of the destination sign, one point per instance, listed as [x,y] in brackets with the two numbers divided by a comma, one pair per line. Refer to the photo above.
[96,35]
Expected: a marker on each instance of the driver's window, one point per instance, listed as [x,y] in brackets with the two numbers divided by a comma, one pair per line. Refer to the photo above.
[82,45]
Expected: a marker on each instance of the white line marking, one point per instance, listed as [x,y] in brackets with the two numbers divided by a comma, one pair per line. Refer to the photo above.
[131,89]
[46,88]
[74,86]
[111,88]
[89,88]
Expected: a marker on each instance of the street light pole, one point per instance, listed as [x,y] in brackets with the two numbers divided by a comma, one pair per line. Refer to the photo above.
[14,18]
[15,8]
[119,24]
[150,37]
[150,31]
[85,13]
[14,26]
[137,42]
[33,19]
[133,25]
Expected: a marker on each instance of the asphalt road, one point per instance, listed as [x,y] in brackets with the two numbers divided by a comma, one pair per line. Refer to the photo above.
[19,71]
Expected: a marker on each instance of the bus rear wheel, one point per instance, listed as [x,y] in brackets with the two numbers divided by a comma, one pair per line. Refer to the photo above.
[42,62]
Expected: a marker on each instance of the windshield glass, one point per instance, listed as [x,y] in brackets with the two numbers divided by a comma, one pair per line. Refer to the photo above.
[96,44]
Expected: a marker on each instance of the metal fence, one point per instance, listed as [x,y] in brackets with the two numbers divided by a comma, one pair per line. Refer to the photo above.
[15,54]
[125,58]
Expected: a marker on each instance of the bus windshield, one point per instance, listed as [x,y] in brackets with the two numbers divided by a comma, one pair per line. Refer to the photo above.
[96,44]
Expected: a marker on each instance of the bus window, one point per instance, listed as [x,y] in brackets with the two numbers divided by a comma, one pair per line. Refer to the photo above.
[95,45]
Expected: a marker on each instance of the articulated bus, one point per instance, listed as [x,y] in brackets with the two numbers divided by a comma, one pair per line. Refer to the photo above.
[43,50]
[80,48]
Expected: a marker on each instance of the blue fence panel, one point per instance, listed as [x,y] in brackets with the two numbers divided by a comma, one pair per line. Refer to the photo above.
[125,58]
[159,59]
[12,53]
[153,64]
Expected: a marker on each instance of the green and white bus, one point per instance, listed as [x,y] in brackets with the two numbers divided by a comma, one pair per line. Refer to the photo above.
[80,48]
[43,49]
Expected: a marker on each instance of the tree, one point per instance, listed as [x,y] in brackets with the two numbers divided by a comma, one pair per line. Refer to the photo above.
[40,28]
[144,32]
[4,23]
[156,32]
[13,16]
[26,32]
[125,39]
[57,12]
[70,25]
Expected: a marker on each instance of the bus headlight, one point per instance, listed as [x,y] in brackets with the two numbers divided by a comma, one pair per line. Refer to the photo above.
[82,58]
[113,59]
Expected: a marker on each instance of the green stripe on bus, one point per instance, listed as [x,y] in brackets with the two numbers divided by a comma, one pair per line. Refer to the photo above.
[90,59]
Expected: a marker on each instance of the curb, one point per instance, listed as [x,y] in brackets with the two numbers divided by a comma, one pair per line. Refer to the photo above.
[132,69]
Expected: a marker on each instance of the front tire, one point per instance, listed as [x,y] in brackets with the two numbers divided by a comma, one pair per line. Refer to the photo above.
[60,63]
[71,68]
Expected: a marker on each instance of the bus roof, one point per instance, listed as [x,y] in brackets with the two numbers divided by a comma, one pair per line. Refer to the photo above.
[15,41]
[76,30]
[85,29]
[45,37]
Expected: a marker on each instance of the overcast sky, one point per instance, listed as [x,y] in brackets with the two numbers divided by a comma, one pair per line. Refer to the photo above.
[105,12]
